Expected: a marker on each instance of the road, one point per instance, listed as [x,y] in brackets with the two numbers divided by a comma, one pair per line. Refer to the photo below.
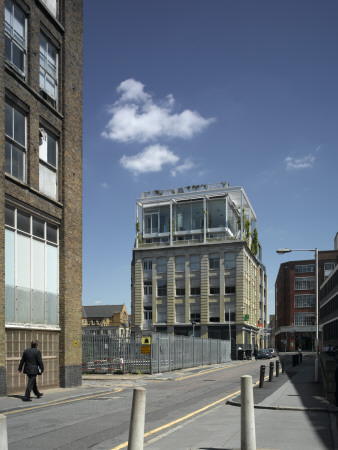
[101,421]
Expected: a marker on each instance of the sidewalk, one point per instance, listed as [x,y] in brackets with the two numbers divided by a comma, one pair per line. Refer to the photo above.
[290,413]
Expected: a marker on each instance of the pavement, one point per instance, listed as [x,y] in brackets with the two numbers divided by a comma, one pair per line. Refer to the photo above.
[290,413]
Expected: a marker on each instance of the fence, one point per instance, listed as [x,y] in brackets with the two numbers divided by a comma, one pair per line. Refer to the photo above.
[104,354]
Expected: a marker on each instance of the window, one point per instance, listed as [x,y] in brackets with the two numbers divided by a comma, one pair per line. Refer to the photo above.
[304,283]
[214,312]
[304,301]
[147,287]
[179,263]
[230,285]
[214,285]
[216,213]
[195,263]
[180,287]
[305,319]
[31,269]
[52,6]
[48,164]
[147,313]
[147,268]
[195,286]
[328,267]
[15,144]
[179,314]
[214,261]
[229,260]
[15,36]
[305,268]
[161,288]
[151,222]
[161,264]
[161,314]
[195,312]
[48,69]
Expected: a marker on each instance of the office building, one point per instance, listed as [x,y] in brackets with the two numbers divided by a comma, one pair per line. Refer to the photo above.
[41,189]
[197,266]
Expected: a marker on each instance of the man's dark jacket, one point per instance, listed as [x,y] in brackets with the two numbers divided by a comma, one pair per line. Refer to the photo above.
[32,361]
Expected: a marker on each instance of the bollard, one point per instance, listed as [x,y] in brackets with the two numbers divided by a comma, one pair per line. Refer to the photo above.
[3,433]
[136,427]
[271,371]
[283,365]
[300,357]
[277,368]
[261,376]
[248,432]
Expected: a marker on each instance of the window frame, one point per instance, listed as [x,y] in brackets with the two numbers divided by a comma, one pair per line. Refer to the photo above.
[214,262]
[45,163]
[53,99]
[10,139]
[13,40]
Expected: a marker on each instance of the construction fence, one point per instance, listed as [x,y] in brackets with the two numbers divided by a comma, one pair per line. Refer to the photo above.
[150,354]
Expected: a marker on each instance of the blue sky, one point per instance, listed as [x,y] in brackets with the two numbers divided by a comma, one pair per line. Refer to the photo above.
[183,92]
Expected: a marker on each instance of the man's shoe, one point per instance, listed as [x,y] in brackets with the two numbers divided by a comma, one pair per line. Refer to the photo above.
[39,395]
[25,399]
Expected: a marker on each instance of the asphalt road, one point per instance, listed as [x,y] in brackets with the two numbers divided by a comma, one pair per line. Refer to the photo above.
[101,421]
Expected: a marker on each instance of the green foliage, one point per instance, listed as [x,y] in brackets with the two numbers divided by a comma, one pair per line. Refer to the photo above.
[254,243]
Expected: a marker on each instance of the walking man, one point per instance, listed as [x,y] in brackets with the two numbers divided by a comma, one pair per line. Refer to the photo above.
[32,364]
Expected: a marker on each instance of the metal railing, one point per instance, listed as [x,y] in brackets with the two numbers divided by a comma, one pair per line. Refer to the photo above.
[105,354]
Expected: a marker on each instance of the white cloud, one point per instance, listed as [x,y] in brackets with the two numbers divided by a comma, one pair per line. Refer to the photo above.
[98,302]
[188,164]
[135,117]
[104,185]
[151,159]
[300,163]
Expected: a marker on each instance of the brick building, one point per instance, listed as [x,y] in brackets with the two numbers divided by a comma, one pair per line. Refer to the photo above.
[109,320]
[41,188]
[197,267]
[295,303]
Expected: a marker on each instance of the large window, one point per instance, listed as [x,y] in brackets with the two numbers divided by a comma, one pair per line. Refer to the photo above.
[147,287]
[305,268]
[15,144]
[229,285]
[161,313]
[31,269]
[214,261]
[328,267]
[189,216]
[195,263]
[195,312]
[52,5]
[161,288]
[179,263]
[214,315]
[48,164]
[216,213]
[180,287]
[305,319]
[195,286]
[229,260]
[15,36]
[214,285]
[179,313]
[161,265]
[304,301]
[147,265]
[304,283]
[48,68]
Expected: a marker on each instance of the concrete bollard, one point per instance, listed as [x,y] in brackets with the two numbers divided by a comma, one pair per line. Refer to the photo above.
[283,365]
[3,433]
[136,427]
[277,368]
[248,431]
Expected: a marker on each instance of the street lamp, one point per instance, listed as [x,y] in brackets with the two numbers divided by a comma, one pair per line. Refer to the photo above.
[193,323]
[281,251]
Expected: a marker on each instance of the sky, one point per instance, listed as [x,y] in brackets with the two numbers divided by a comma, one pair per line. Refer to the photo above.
[184,92]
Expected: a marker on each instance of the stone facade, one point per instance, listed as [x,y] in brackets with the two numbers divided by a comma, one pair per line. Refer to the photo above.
[62,117]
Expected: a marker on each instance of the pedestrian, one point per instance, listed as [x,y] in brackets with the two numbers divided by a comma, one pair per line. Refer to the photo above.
[32,364]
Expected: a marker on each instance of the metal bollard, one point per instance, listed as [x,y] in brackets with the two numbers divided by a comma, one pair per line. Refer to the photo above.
[283,365]
[277,368]
[271,371]
[261,376]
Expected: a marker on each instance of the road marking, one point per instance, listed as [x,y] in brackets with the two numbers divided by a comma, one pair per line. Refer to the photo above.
[181,419]
[55,403]
[211,370]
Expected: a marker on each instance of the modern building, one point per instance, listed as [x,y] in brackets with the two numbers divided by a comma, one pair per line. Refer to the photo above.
[108,320]
[328,297]
[197,267]
[295,302]
[41,189]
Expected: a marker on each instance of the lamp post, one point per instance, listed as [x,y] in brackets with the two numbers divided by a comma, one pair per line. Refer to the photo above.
[281,251]
[193,323]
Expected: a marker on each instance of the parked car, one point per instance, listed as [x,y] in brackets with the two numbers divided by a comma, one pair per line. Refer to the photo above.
[273,352]
[264,353]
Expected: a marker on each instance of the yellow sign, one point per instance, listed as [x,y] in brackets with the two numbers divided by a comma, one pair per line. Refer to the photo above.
[146,340]
[145,349]
[75,343]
